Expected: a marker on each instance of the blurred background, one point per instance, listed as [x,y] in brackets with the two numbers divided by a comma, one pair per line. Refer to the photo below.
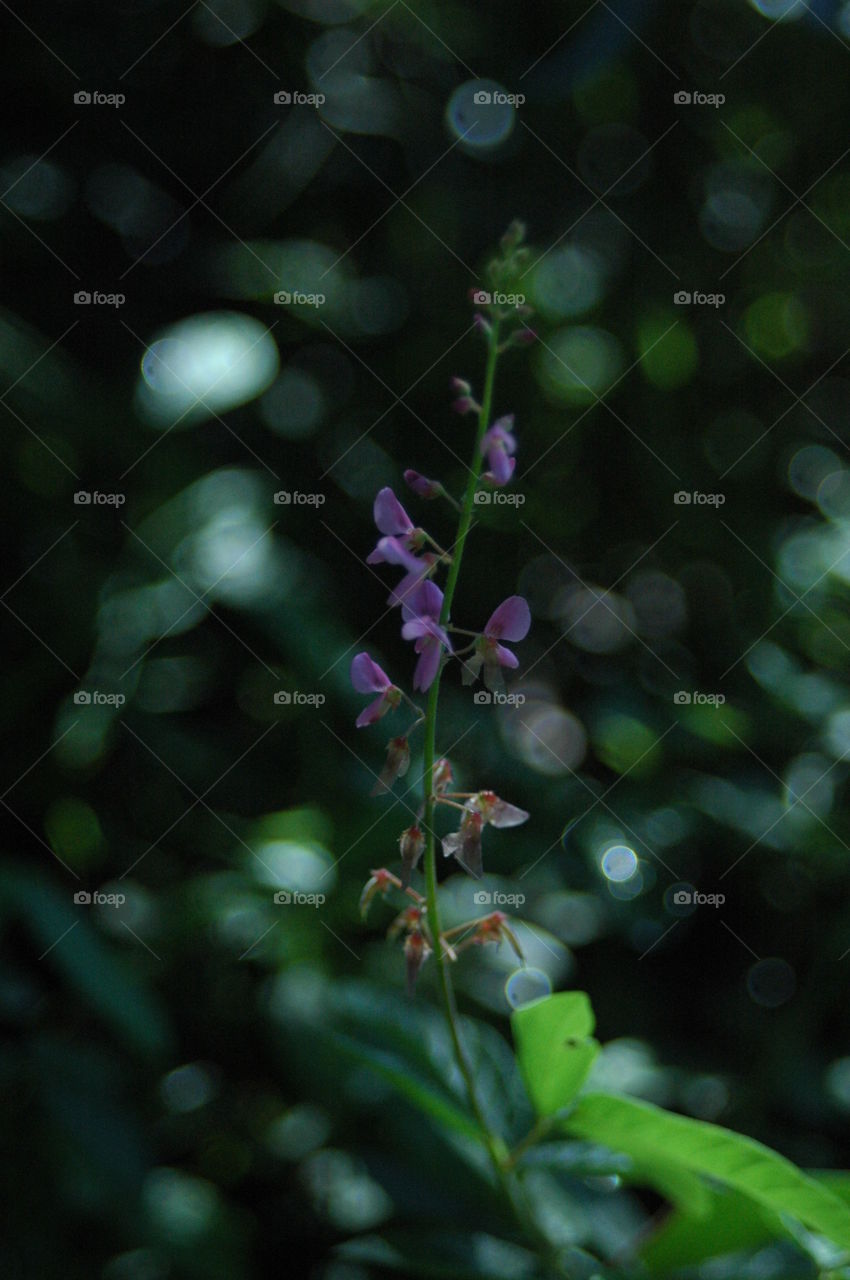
[238,239]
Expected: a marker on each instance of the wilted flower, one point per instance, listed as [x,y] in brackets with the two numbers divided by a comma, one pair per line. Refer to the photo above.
[464,845]
[416,952]
[368,677]
[497,812]
[510,621]
[421,612]
[379,882]
[410,919]
[396,765]
[411,843]
[499,444]
[495,928]
[442,776]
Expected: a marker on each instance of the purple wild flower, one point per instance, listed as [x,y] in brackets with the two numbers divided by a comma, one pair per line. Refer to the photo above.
[368,677]
[421,614]
[499,444]
[393,521]
[510,621]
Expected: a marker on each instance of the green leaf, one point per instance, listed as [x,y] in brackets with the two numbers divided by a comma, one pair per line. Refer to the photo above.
[403,1078]
[733,1223]
[657,1140]
[555,1048]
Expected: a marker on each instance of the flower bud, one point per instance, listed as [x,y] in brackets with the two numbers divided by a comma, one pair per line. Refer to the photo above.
[416,952]
[411,843]
[422,486]
[396,766]
[465,404]
[460,386]
[481,325]
[523,337]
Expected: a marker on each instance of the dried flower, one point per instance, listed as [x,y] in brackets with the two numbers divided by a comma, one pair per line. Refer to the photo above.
[411,843]
[396,765]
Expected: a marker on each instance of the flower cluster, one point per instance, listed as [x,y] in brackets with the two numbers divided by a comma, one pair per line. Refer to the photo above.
[427,624]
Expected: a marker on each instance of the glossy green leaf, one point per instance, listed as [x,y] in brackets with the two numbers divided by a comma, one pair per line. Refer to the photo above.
[555,1048]
[658,1140]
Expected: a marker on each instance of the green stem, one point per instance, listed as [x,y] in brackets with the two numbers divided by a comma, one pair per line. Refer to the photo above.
[496,1148]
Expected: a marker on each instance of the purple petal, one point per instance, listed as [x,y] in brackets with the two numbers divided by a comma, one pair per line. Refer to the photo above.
[426,601]
[390,515]
[414,629]
[505,657]
[392,551]
[372,713]
[501,466]
[427,667]
[367,676]
[510,621]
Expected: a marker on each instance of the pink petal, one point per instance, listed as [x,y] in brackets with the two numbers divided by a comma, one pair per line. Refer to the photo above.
[510,621]
[390,515]
[367,676]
